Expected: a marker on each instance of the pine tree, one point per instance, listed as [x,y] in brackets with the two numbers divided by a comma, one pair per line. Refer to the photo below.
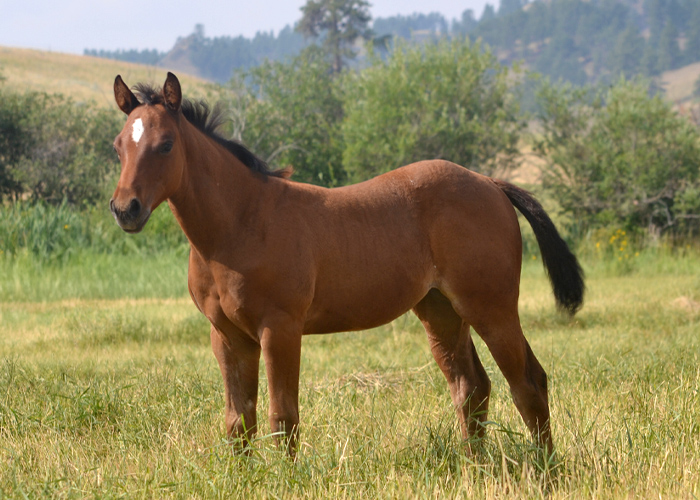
[669,52]
[691,53]
[489,13]
[340,23]
[627,55]
[508,6]
[650,58]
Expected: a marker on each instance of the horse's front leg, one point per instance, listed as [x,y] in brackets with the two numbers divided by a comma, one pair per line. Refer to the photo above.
[281,345]
[239,359]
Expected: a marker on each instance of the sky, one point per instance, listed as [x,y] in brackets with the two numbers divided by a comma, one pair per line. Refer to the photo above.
[73,25]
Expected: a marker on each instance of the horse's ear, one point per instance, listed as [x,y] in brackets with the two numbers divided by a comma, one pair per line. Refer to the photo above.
[172,93]
[126,100]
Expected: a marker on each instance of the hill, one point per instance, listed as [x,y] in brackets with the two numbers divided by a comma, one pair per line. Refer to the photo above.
[679,83]
[84,78]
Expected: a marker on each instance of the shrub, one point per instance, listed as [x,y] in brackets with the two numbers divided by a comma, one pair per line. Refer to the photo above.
[448,100]
[53,149]
[290,113]
[619,158]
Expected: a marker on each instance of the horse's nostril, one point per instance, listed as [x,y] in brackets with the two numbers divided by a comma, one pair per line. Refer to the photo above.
[134,207]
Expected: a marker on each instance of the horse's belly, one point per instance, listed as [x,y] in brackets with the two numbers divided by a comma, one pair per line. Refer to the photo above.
[348,310]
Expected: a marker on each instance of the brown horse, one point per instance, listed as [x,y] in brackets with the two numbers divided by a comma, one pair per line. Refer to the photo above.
[272,259]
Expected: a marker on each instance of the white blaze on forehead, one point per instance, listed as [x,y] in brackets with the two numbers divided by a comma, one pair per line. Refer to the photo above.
[137,130]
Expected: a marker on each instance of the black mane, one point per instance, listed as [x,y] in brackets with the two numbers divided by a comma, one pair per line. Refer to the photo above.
[208,120]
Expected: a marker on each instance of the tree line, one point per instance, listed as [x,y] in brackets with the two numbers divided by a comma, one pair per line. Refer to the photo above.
[579,41]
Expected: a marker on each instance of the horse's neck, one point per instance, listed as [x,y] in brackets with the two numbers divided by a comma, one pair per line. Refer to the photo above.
[215,193]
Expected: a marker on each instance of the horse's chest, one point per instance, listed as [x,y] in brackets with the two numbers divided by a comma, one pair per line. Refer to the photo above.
[223,299]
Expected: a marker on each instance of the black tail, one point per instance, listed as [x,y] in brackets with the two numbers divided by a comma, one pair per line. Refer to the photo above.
[561,265]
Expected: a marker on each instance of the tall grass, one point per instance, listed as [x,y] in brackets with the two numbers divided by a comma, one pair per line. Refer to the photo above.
[53,253]
[55,233]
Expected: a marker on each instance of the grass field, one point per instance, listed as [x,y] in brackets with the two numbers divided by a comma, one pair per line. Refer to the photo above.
[108,388]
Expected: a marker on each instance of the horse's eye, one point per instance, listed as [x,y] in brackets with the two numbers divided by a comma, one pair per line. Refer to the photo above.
[166,147]
[117,152]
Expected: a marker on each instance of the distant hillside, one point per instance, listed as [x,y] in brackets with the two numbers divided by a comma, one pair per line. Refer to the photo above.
[83,78]
[581,41]
[215,58]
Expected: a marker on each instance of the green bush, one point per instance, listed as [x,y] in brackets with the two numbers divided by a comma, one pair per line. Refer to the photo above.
[53,149]
[290,114]
[619,158]
[449,100]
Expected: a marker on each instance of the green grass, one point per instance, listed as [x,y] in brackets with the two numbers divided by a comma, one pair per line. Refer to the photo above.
[108,388]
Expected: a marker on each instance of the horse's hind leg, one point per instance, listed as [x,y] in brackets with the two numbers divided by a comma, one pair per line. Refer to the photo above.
[454,351]
[527,379]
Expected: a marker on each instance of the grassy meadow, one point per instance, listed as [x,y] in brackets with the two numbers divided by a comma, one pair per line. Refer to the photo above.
[108,388]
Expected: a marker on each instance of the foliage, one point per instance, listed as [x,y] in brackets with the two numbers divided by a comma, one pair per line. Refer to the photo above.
[53,149]
[447,100]
[50,233]
[581,41]
[340,23]
[290,114]
[619,157]
[627,53]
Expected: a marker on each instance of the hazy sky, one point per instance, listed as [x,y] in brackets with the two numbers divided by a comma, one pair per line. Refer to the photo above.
[73,25]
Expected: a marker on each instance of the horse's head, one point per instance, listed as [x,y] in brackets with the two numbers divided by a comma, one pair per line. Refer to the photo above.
[151,153]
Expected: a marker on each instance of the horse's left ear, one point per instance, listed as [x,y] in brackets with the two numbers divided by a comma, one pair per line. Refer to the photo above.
[172,93]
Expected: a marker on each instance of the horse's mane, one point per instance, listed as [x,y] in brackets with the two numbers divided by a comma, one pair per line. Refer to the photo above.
[208,120]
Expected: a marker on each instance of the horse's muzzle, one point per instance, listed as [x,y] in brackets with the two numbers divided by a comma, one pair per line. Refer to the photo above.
[131,218]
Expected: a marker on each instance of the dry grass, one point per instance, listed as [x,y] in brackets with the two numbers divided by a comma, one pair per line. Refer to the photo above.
[84,78]
[679,83]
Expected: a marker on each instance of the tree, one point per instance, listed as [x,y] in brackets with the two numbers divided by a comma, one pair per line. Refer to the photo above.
[290,114]
[619,158]
[508,6]
[692,46]
[669,52]
[628,52]
[340,23]
[467,23]
[488,13]
[649,65]
[447,100]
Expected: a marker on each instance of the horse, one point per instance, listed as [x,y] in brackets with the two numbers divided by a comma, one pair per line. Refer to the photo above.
[272,259]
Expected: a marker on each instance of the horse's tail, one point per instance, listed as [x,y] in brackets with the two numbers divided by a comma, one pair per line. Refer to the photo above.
[561,265]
